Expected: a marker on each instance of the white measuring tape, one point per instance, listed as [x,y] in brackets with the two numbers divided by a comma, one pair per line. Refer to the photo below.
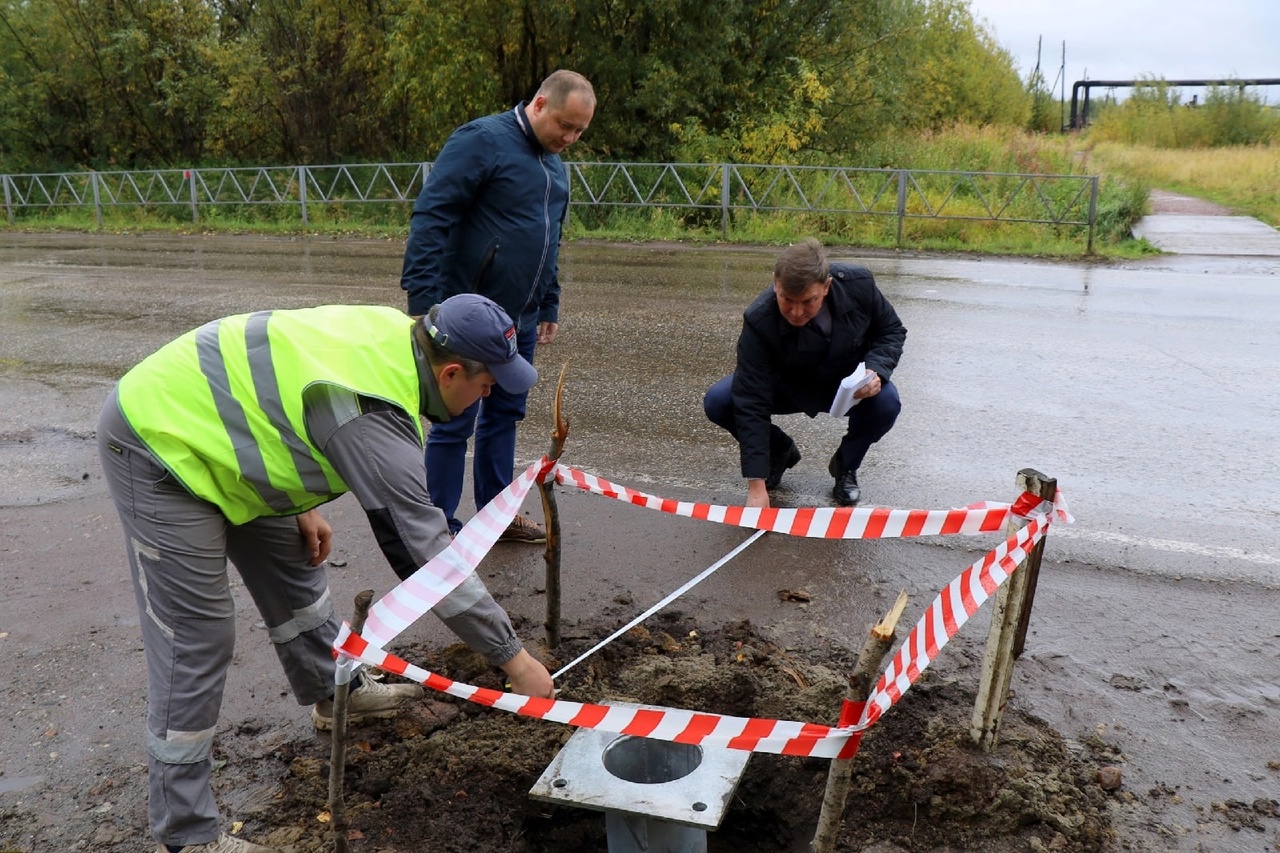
[688,585]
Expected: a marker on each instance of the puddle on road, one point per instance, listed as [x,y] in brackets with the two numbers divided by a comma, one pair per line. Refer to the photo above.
[46,465]
[19,783]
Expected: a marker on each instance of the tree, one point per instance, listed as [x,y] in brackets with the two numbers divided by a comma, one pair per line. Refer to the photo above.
[306,78]
[115,82]
[443,61]
[153,82]
[665,71]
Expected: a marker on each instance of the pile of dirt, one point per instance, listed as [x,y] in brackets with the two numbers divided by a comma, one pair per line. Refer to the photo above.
[450,775]
[453,776]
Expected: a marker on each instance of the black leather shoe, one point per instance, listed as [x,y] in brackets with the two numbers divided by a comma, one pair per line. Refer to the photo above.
[779,464]
[846,490]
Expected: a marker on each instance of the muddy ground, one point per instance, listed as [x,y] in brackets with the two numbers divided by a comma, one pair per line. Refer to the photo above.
[918,785]
[1153,650]
[452,776]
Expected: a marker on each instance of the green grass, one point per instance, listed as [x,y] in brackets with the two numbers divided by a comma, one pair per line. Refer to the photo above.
[632,225]
[1244,178]
[279,220]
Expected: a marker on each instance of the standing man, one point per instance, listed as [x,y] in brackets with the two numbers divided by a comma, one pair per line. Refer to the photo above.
[488,221]
[222,444]
[799,339]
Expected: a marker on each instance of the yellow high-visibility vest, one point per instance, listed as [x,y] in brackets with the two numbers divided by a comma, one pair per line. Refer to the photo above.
[222,406]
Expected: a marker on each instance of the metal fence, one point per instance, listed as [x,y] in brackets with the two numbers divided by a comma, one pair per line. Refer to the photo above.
[714,188]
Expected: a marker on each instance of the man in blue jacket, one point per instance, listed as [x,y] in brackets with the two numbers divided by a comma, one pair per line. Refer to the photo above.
[799,339]
[488,221]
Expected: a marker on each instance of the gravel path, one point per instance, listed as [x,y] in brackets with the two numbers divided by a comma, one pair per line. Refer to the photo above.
[1164,202]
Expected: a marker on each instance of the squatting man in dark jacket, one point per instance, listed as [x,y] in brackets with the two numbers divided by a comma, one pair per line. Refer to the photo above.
[488,221]
[800,338]
[222,444]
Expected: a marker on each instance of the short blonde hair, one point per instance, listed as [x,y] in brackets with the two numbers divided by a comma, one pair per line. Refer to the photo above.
[559,85]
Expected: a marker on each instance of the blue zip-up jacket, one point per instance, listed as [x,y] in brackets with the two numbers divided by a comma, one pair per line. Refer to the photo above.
[488,220]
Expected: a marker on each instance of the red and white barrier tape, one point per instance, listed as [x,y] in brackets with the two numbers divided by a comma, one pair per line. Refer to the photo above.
[413,597]
[712,730]
[949,611]
[831,522]
[945,617]
[442,574]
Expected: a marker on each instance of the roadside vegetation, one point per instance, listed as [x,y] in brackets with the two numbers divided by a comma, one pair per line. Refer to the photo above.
[1223,146]
[910,84]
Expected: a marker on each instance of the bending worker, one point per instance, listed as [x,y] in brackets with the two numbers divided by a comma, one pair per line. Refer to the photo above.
[800,338]
[222,444]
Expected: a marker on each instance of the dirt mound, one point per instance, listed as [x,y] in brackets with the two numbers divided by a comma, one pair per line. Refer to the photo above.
[452,776]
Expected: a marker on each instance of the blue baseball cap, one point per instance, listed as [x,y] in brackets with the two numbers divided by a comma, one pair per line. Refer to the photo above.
[475,327]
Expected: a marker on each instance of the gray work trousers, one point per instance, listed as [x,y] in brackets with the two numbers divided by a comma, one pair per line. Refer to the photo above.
[178,547]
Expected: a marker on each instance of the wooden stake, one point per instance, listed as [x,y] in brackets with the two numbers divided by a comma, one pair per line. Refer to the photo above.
[551,514]
[840,773]
[338,743]
[1047,489]
[1010,616]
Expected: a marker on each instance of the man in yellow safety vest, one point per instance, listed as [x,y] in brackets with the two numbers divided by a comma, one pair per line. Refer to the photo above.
[222,444]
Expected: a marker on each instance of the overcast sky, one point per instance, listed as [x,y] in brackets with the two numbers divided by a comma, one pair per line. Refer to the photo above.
[1130,39]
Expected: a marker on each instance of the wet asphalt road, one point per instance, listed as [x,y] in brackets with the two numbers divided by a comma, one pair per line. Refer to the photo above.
[1148,389]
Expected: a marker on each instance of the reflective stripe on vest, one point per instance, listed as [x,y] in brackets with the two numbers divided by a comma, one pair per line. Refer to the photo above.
[222,406]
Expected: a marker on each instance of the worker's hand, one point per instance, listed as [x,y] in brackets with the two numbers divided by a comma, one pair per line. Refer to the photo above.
[316,533]
[528,677]
[757,494]
[547,332]
[871,389]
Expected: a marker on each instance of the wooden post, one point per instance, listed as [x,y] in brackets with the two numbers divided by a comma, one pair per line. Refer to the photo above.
[840,773]
[338,747]
[1009,618]
[551,514]
[1048,487]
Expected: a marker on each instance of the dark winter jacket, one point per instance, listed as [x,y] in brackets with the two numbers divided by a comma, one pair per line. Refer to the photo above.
[488,220]
[785,369]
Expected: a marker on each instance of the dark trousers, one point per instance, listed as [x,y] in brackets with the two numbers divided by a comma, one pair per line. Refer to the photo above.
[868,422]
[493,419]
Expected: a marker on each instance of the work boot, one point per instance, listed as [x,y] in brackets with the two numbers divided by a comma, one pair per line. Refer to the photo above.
[846,490]
[372,700]
[779,463]
[224,844]
[523,529]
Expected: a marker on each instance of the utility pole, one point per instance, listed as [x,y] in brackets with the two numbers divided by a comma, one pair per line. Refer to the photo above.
[1062,72]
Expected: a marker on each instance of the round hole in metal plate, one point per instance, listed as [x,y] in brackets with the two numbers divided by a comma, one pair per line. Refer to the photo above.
[647,761]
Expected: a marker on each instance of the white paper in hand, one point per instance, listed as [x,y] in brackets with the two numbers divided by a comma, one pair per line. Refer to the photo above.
[844,401]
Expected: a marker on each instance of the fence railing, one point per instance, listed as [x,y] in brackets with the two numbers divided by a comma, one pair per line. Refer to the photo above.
[726,188]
